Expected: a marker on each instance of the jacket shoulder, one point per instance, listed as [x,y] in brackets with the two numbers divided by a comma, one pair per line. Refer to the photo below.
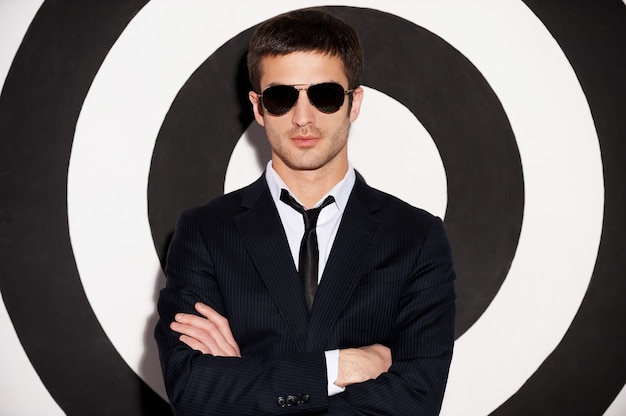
[229,204]
[388,206]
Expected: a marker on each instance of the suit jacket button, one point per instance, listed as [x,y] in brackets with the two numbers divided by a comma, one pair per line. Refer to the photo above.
[292,399]
[281,401]
[305,398]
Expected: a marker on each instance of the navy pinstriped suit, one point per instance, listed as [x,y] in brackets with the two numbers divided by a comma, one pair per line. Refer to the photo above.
[388,280]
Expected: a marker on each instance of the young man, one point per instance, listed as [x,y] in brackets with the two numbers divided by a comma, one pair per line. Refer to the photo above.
[262,315]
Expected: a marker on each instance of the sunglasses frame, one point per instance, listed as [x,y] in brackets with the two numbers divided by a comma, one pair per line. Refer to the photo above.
[305,88]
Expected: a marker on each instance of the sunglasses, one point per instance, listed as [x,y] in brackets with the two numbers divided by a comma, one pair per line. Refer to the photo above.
[327,97]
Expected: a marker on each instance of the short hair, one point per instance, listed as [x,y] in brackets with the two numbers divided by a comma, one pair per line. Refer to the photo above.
[306,30]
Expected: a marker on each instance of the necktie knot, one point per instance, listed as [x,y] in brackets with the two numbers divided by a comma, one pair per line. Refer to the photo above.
[310,215]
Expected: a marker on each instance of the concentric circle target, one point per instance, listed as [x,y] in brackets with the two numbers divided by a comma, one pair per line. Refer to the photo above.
[146,112]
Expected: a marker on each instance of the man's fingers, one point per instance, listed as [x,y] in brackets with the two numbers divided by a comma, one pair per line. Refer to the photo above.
[195,344]
[209,312]
[202,340]
[214,332]
[220,322]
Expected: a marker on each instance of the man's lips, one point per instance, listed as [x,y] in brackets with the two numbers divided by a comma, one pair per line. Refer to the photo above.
[305,141]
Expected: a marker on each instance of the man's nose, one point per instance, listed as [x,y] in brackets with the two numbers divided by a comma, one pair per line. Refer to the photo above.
[304,112]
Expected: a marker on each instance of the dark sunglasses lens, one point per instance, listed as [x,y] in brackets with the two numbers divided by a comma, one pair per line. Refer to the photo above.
[327,97]
[279,99]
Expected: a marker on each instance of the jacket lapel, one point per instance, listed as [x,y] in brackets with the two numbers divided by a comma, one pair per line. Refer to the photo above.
[265,240]
[344,267]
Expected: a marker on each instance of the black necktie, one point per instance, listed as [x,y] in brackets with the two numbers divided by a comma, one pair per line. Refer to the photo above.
[309,254]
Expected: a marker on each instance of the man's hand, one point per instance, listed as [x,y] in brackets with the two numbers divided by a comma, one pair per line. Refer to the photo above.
[209,335]
[357,365]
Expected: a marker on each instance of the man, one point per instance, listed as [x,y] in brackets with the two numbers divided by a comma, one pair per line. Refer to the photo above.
[244,327]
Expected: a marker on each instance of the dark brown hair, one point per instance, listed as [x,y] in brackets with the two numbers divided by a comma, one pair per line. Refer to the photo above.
[306,30]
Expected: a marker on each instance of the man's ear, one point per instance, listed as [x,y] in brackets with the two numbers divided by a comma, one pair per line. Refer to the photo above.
[257,107]
[357,98]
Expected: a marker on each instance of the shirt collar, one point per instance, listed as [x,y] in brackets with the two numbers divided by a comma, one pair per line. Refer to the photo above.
[341,191]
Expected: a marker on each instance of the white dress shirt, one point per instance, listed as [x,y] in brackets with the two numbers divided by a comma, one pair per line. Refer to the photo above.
[327,226]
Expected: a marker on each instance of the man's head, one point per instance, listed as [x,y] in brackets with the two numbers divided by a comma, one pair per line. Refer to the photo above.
[303,65]
[307,30]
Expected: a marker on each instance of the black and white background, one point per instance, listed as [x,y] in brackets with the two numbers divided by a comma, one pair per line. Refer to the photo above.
[505,117]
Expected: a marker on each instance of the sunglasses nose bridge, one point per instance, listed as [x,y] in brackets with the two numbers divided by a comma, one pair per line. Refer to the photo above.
[306,93]
[303,107]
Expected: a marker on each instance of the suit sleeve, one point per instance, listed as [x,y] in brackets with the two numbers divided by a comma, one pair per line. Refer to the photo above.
[422,345]
[200,384]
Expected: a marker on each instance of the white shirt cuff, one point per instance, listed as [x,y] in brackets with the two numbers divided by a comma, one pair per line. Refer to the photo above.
[332,371]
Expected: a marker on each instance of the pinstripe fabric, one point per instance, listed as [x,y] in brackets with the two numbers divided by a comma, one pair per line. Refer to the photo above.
[389,279]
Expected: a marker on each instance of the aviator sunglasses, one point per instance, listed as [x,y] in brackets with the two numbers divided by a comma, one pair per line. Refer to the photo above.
[327,97]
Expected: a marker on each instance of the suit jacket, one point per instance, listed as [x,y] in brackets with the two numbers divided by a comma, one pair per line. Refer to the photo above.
[388,280]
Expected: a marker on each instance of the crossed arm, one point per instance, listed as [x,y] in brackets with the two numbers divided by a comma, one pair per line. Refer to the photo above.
[211,334]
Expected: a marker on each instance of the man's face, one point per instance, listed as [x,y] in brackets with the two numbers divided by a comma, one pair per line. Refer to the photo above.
[305,138]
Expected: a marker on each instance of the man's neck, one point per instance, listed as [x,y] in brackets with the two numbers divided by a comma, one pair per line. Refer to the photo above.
[309,186]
